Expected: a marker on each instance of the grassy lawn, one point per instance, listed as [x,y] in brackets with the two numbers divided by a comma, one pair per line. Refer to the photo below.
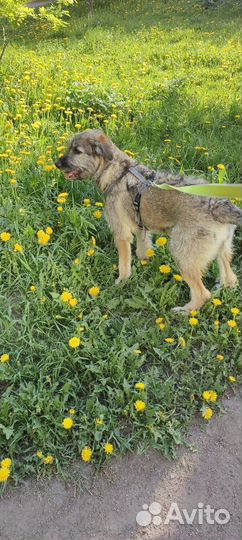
[163,80]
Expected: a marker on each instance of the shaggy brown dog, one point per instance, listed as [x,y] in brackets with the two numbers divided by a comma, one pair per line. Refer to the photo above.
[201,228]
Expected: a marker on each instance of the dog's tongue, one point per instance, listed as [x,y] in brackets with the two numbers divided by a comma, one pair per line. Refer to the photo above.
[70,175]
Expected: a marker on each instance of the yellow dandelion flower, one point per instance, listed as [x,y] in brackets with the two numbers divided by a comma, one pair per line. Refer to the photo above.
[232,323]
[77,261]
[98,214]
[161,241]
[66,296]
[72,412]
[193,321]
[210,395]
[91,252]
[108,448]
[94,241]
[235,311]
[99,422]
[213,395]
[5,236]
[73,302]
[60,209]
[130,153]
[18,248]
[169,340]
[182,341]
[165,269]
[40,233]
[4,474]
[220,357]
[4,358]
[221,167]
[137,352]
[143,262]
[217,302]
[63,195]
[87,202]
[232,379]
[94,291]
[159,320]
[49,230]
[39,454]
[67,423]
[140,405]
[6,463]
[177,277]
[86,454]
[49,168]
[48,460]
[216,323]
[99,204]
[207,413]
[61,200]
[74,342]
[33,288]
[150,252]
[43,237]
[162,326]
[140,386]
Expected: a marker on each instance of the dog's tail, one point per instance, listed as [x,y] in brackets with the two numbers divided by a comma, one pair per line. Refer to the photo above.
[225,211]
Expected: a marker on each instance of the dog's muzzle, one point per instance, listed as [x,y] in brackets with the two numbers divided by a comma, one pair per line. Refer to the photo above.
[73,174]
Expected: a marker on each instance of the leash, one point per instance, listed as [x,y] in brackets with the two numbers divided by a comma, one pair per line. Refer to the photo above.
[230,191]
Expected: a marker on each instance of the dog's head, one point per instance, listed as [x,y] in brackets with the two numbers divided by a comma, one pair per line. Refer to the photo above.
[88,152]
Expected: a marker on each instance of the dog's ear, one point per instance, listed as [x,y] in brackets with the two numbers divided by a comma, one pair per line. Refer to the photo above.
[102,147]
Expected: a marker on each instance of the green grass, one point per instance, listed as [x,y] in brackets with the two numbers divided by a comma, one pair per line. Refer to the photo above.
[145,72]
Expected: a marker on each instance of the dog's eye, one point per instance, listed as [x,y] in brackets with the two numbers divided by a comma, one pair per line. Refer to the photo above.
[77,150]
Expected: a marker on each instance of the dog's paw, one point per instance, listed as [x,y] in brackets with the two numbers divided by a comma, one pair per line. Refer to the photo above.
[181,309]
[121,279]
[217,286]
[231,283]
[141,255]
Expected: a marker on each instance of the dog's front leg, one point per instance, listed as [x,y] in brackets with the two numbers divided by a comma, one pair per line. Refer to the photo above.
[124,263]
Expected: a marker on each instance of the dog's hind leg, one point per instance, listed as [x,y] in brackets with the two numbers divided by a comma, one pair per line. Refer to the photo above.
[199,293]
[144,242]
[227,276]
[193,253]
[124,263]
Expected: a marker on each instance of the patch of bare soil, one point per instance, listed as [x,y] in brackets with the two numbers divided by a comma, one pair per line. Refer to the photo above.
[112,500]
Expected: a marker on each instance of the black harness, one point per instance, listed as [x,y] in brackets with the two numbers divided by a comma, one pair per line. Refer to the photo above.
[135,190]
[138,190]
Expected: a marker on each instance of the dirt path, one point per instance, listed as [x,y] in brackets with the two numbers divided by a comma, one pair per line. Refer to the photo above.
[211,475]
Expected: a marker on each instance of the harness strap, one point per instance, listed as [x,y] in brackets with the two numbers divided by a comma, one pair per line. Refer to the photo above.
[110,187]
[137,199]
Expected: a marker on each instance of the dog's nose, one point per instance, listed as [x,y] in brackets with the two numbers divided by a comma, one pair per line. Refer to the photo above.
[58,164]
